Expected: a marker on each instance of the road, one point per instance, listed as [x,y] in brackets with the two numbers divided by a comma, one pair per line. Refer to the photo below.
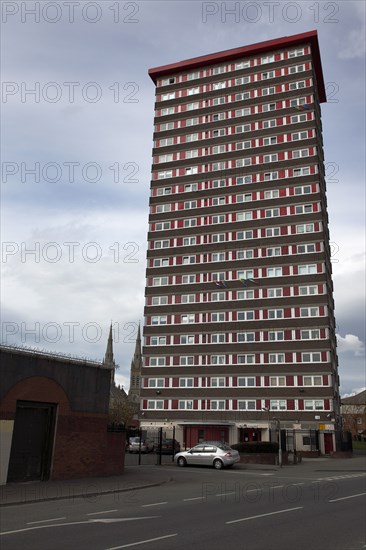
[288,509]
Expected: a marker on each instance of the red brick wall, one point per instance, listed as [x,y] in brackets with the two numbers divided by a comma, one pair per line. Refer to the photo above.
[82,445]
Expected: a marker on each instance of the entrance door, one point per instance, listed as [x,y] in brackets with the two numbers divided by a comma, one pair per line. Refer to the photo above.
[31,449]
[328,444]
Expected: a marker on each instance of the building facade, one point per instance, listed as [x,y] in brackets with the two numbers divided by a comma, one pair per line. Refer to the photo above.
[239,328]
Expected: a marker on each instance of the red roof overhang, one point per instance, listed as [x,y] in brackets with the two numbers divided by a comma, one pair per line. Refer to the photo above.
[310,37]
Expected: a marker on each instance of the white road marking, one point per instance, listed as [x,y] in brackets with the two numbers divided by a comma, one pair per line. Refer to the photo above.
[154,504]
[142,542]
[44,520]
[265,515]
[75,523]
[345,498]
[195,498]
[104,512]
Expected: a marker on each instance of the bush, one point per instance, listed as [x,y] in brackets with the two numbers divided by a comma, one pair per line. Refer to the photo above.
[256,447]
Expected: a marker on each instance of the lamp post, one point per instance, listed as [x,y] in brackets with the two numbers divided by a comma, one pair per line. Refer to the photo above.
[279,442]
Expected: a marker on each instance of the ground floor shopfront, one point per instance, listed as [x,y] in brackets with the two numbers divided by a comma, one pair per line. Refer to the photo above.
[310,438]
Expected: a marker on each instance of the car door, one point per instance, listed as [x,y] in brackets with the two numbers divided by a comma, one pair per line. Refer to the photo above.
[195,455]
[209,454]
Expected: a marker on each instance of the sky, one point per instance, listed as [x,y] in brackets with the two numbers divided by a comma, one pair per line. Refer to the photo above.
[77,110]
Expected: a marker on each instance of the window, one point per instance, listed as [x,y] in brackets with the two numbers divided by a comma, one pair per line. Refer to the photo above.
[188,279]
[275,314]
[219,132]
[246,381]
[244,216]
[157,361]
[219,338]
[242,129]
[161,262]
[162,208]
[268,91]
[218,257]
[217,405]
[274,292]
[272,231]
[157,340]
[270,158]
[186,382]
[192,91]
[185,319]
[188,241]
[268,176]
[270,140]
[295,53]
[243,162]
[245,179]
[163,191]
[191,137]
[267,59]
[307,269]
[218,149]
[217,359]
[218,238]
[306,248]
[190,222]
[192,121]
[218,317]
[159,300]
[242,96]
[246,337]
[218,101]
[297,85]
[274,271]
[313,357]
[162,226]
[247,254]
[246,359]
[190,204]
[303,209]
[160,281]
[276,358]
[305,228]
[218,296]
[218,116]
[277,381]
[218,85]
[167,111]
[298,118]
[188,298]
[218,382]
[186,405]
[165,142]
[245,295]
[165,97]
[242,235]
[186,339]
[190,187]
[218,183]
[186,360]
[309,312]
[302,190]
[156,383]
[161,244]
[270,74]
[312,381]
[311,405]
[272,212]
[274,251]
[165,174]
[246,405]
[247,315]
[310,334]
[269,123]
[151,404]
[276,336]
[278,405]
[192,154]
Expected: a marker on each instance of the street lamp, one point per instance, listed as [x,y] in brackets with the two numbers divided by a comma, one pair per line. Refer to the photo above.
[279,441]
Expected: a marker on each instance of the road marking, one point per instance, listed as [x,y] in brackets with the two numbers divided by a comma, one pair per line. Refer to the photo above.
[345,498]
[195,498]
[104,512]
[264,515]
[43,521]
[142,542]
[154,504]
[75,523]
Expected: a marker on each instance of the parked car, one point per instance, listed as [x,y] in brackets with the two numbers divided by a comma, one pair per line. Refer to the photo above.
[169,446]
[147,445]
[216,454]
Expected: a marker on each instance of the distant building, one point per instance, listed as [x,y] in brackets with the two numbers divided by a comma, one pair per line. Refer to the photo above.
[354,414]
[135,372]
[239,315]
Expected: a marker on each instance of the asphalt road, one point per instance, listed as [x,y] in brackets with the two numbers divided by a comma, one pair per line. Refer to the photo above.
[288,509]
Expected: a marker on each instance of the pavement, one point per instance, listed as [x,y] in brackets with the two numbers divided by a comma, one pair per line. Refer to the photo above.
[140,477]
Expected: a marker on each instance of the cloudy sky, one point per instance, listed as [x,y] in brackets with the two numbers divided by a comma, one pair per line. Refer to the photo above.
[77,110]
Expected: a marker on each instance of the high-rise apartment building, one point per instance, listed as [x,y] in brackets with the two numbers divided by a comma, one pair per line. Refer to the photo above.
[239,316]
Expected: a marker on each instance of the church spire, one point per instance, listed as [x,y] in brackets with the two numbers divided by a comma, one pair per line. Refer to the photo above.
[135,373]
[108,360]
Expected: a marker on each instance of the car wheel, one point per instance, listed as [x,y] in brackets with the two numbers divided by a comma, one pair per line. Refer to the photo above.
[218,465]
[181,461]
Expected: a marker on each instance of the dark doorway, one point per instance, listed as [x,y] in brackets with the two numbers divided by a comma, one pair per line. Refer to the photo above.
[328,444]
[31,448]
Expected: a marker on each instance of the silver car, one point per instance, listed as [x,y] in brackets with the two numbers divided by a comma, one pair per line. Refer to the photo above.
[219,455]
[146,446]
